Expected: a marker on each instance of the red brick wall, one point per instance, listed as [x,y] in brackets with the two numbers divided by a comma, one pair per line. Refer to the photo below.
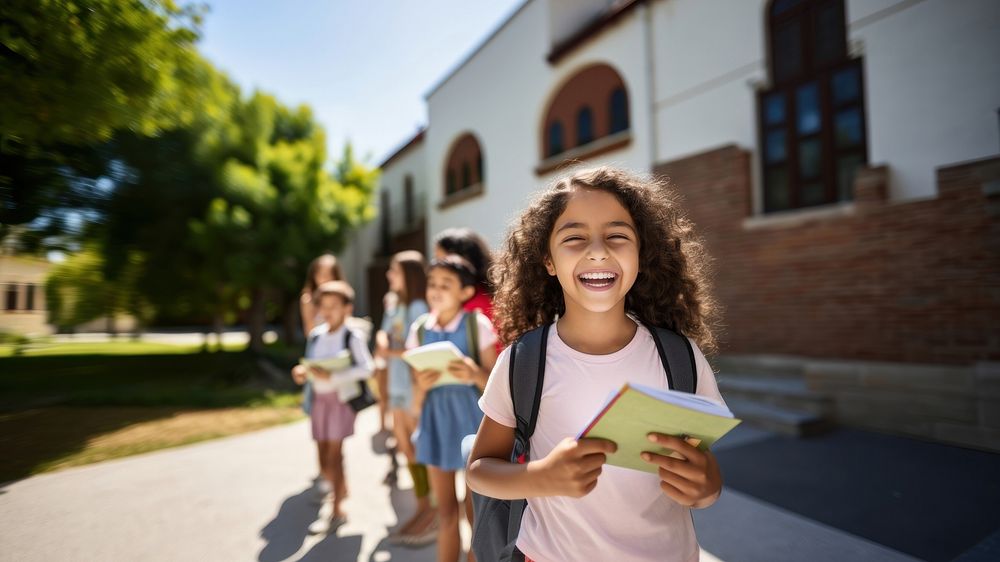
[914,281]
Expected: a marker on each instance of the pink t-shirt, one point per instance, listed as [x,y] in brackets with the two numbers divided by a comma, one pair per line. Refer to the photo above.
[626,517]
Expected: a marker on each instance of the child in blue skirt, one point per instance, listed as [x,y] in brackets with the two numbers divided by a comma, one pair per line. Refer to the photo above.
[450,412]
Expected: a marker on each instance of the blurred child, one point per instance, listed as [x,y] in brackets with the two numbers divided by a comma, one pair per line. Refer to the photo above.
[322,269]
[332,418]
[407,286]
[450,412]
[465,243]
[594,260]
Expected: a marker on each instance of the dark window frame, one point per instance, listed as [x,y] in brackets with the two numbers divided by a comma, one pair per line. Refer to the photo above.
[555,144]
[409,210]
[822,73]
[385,230]
[618,111]
[10,293]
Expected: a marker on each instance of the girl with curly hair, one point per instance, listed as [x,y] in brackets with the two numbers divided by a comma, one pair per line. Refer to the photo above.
[597,258]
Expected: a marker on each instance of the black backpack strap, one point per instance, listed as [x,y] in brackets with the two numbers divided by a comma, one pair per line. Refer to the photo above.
[347,345]
[677,357]
[527,373]
[472,335]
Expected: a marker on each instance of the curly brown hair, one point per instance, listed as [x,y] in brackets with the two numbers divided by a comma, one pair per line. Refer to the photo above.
[671,291]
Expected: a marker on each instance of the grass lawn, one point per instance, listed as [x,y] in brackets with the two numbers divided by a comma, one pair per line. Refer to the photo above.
[71,404]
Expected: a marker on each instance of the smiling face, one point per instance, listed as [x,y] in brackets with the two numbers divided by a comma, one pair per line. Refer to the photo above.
[594,251]
[334,310]
[445,293]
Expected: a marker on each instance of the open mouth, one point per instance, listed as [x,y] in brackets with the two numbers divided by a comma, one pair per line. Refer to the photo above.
[598,279]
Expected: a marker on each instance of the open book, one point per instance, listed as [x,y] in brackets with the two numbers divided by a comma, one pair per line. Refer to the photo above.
[436,356]
[634,411]
[338,362]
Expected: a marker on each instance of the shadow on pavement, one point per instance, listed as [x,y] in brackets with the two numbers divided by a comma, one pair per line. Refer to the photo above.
[286,533]
[928,500]
[334,549]
[404,504]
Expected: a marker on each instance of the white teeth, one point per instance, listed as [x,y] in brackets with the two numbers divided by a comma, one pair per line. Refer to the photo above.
[598,276]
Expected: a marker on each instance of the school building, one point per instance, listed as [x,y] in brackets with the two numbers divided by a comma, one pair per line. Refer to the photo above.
[22,279]
[841,159]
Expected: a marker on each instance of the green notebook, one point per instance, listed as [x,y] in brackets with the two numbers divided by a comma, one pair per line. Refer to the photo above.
[634,411]
[338,362]
[436,355]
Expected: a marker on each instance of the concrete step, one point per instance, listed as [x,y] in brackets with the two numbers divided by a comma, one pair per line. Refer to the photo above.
[788,421]
[778,391]
[771,366]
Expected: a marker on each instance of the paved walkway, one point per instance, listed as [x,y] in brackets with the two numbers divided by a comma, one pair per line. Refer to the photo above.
[249,498]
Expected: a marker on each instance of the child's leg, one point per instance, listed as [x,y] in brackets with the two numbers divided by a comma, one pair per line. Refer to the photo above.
[324,470]
[335,460]
[382,385]
[443,487]
[402,427]
[401,430]
[468,516]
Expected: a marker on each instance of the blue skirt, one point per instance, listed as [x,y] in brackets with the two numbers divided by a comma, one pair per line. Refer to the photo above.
[449,414]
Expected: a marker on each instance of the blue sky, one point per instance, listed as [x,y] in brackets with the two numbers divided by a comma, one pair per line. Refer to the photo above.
[363,65]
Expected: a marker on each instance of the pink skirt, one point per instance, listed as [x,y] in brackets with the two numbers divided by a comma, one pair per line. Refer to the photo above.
[332,420]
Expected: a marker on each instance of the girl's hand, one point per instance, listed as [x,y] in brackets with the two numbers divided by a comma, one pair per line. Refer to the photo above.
[426,379]
[465,369]
[572,468]
[693,480]
[299,374]
[322,374]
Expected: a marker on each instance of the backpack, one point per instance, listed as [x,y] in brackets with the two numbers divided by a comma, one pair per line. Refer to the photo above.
[365,397]
[497,522]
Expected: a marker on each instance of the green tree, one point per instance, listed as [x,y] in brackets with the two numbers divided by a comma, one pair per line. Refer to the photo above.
[77,291]
[161,183]
[72,73]
[280,207]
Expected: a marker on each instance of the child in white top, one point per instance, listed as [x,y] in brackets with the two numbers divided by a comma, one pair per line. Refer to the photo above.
[595,255]
[331,416]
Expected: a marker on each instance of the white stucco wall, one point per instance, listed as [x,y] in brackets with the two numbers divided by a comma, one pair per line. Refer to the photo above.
[707,53]
[501,95]
[364,243]
[932,78]
[932,71]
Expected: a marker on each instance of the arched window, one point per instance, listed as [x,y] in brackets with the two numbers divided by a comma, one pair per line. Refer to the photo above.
[590,105]
[811,121]
[618,110]
[555,139]
[464,165]
[584,126]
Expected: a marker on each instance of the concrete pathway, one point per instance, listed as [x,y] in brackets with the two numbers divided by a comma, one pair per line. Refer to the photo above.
[249,497]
